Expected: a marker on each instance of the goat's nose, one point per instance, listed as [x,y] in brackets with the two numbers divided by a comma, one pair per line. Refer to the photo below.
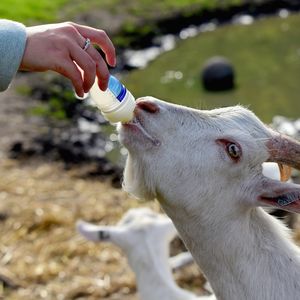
[148,106]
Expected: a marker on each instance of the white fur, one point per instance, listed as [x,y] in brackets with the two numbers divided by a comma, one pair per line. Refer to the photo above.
[144,236]
[213,200]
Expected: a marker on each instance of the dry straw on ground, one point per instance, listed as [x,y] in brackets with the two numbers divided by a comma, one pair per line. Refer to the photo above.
[42,256]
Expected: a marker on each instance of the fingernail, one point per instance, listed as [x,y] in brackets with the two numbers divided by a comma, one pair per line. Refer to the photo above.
[114,62]
[80,94]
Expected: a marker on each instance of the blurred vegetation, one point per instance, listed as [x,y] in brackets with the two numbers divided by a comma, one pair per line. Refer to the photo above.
[57,100]
[266,58]
[261,53]
[56,107]
[138,17]
[31,10]
[50,10]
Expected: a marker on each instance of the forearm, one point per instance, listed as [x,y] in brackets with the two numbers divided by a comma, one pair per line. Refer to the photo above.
[12,45]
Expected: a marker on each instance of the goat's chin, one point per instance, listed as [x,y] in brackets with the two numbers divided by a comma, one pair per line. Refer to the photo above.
[135,137]
[135,182]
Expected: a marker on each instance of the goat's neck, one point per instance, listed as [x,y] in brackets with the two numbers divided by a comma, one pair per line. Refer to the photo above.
[246,256]
[153,274]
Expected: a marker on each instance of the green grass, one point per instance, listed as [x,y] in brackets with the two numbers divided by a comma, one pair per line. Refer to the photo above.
[30,11]
[150,8]
[266,57]
[34,11]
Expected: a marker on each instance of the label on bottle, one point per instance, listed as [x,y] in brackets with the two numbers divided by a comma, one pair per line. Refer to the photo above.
[117,88]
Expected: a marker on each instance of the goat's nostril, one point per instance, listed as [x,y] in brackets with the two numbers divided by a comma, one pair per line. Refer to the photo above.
[148,106]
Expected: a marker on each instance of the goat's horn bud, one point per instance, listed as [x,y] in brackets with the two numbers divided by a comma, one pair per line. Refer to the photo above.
[284,150]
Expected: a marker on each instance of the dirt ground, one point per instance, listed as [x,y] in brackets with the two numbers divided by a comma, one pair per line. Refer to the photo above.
[41,255]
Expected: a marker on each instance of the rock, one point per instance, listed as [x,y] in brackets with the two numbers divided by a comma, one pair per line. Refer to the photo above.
[218,74]
[16,149]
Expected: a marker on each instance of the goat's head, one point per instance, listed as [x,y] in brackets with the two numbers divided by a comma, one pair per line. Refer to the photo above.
[137,227]
[188,158]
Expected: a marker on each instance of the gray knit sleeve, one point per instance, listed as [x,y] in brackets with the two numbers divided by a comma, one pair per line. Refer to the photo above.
[12,45]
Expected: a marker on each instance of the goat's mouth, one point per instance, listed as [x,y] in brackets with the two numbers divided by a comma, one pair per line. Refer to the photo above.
[289,201]
[136,126]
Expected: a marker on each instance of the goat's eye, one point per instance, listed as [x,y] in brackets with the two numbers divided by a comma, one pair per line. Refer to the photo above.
[233,150]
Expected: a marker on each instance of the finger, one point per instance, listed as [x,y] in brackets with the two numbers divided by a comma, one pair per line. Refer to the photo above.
[68,69]
[100,38]
[102,74]
[86,63]
[102,71]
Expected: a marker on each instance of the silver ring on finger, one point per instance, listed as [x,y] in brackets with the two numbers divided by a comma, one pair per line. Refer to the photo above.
[86,44]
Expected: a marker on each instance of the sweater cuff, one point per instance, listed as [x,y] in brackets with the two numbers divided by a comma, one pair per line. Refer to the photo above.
[12,46]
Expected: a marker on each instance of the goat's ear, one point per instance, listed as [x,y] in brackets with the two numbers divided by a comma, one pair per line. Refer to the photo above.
[167,227]
[281,195]
[98,233]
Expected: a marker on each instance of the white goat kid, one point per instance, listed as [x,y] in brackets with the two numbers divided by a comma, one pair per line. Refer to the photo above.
[144,236]
[205,168]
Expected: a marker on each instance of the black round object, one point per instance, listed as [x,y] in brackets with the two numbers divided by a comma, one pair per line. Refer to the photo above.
[218,74]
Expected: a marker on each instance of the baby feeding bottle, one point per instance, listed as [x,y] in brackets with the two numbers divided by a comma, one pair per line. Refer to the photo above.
[116,103]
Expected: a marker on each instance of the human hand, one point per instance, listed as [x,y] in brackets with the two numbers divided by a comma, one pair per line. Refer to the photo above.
[59,47]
